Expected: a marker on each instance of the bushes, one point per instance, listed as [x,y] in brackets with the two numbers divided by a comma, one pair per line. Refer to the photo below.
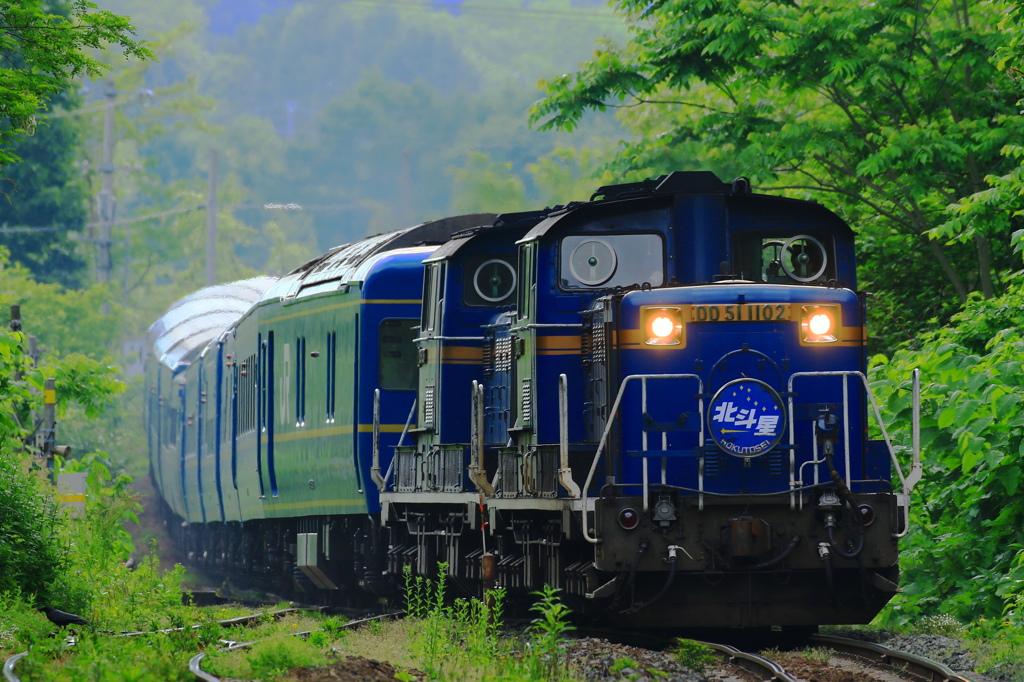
[965,552]
[31,558]
[461,641]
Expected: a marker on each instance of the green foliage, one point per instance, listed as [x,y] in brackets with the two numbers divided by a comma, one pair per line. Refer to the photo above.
[621,664]
[818,654]
[46,190]
[275,656]
[483,186]
[35,552]
[887,111]
[65,321]
[276,650]
[110,502]
[332,626]
[694,655]
[964,555]
[941,624]
[96,656]
[460,641]
[548,637]
[31,556]
[44,51]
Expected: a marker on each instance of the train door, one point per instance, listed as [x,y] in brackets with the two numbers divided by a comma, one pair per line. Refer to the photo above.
[182,449]
[200,435]
[218,438]
[430,346]
[265,379]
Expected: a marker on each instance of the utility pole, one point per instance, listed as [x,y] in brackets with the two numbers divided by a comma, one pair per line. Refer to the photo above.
[105,201]
[211,221]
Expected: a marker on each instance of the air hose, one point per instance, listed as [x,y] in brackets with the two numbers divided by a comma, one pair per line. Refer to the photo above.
[826,429]
[672,549]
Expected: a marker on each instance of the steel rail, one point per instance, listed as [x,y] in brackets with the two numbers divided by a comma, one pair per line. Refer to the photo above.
[902,662]
[759,666]
[9,666]
[11,662]
[195,663]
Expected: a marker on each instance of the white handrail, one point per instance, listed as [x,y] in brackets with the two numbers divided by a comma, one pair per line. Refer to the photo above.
[564,470]
[608,427]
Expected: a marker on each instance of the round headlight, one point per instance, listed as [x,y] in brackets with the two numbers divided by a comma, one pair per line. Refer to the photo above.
[662,326]
[820,324]
[628,518]
[867,514]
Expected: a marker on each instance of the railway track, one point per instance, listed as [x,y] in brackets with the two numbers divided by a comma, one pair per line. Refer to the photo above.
[11,663]
[856,659]
[195,663]
[909,665]
[870,662]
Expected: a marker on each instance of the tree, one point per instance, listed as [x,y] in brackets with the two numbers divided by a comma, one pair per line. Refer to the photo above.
[965,552]
[33,558]
[42,52]
[891,110]
[65,321]
[998,207]
[44,197]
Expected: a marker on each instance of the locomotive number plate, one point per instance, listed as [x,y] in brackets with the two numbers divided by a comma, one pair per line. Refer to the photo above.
[741,312]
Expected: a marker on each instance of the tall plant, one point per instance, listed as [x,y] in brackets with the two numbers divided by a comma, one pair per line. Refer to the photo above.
[965,552]
[34,554]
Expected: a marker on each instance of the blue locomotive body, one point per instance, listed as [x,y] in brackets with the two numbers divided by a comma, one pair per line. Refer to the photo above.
[655,401]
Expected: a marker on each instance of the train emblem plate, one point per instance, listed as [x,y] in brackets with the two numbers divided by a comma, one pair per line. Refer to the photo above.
[746,418]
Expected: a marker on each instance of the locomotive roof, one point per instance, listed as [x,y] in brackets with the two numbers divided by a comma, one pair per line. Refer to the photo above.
[346,264]
[195,320]
[677,182]
[504,223]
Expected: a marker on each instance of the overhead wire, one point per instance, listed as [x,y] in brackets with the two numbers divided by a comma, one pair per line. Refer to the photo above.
[266,206]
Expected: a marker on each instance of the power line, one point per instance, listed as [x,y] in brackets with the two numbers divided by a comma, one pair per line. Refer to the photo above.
[146,95]
[150,216]
[5,229]
[266,206]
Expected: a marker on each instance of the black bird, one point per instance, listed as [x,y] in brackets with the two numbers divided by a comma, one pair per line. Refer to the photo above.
[62,618]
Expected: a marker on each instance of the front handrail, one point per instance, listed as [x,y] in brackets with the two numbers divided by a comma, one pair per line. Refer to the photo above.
[907,483]
[383,483]
[611,421]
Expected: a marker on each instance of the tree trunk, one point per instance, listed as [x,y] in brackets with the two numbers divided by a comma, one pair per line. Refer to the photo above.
[947,268]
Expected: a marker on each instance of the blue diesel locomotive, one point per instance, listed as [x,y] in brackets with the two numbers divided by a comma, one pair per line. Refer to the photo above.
[654,400]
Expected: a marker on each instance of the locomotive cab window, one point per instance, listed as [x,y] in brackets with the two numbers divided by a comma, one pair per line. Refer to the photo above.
[397,362]
[433,297]
[804,258]
[592,261]
[489,281]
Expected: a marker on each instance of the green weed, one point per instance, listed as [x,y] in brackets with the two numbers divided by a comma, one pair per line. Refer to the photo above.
[461,640]
[818,654]
[942,624]
[694,655]
[621,664]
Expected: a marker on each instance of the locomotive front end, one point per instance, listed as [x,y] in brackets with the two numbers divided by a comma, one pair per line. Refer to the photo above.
[738,485]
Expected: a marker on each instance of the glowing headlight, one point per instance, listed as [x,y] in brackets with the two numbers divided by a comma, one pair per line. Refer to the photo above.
[818,323]
[663,326]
